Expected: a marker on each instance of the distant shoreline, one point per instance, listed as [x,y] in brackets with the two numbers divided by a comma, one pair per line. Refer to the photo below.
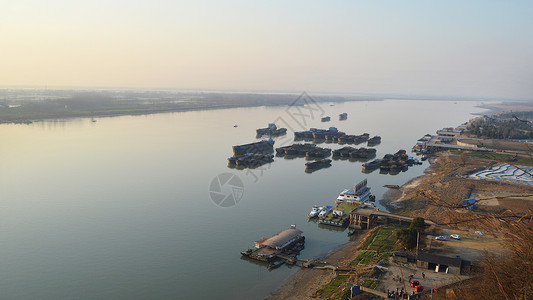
[118,114]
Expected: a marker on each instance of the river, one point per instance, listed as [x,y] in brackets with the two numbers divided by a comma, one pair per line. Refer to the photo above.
[120,207]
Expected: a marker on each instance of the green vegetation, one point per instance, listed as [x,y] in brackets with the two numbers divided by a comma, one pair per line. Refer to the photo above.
[408,236]
[383,239]
[331,290]
[371,284]
[378,248]
[364,257]
[344,206]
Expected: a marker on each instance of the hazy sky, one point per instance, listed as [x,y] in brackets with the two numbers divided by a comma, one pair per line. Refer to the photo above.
[464,48]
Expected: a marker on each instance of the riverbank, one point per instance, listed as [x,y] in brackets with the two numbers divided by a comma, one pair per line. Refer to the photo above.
[22,108]
[444,184]
[307,282]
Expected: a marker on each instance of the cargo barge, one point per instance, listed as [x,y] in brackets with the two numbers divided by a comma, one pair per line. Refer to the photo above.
[264,146]
[374,141]
[323,163]
[351,152]
[250,160]
[318,153]
[271,130]
[375,164]
[315,133]
[296,149]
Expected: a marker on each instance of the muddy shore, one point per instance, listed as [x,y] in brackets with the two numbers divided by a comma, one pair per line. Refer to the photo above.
[306,282]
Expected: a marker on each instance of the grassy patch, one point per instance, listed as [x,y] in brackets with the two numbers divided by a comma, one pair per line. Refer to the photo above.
[364,257]
[371,284]
[335,283]
[383,239]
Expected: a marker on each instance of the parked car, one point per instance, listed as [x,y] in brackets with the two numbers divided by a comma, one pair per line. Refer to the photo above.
[455,236]
[441,238]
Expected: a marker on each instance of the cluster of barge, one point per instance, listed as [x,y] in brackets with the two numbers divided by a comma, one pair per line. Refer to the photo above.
[333,135]
[351,152]
[295,149]
[307,150]
[396,162]
[315,133]
[252,155]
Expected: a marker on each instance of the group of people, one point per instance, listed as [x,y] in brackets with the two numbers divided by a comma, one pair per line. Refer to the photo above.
[401,294]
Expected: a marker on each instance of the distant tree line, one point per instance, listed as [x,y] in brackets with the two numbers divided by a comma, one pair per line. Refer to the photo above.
[504,126]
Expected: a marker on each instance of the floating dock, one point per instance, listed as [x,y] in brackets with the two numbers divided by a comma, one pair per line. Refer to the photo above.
[287,243]
[340,215]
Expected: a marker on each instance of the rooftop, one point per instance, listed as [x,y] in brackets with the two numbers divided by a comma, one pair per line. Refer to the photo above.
[282,238]
[441,260]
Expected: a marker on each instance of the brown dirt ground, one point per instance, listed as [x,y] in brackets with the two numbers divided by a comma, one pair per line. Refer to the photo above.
[438,195]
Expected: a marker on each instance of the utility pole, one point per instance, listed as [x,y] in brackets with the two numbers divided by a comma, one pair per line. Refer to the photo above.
[417,241]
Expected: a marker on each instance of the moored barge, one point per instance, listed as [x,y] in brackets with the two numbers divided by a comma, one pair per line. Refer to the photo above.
[374,140]
[323,163]
[287,242]
[250,160]
[264,146]
[271,130]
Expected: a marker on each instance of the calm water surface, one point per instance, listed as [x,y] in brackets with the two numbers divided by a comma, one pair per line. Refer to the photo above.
[120,208]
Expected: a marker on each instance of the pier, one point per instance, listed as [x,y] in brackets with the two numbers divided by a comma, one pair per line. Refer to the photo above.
[366,217]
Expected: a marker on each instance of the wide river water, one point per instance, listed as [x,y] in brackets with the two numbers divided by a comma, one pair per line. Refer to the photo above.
[120,208]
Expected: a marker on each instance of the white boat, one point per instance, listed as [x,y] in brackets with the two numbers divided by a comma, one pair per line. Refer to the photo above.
[314,212]
[325,210]
[360,193]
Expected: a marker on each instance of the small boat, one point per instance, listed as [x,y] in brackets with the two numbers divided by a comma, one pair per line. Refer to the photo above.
[235,125]
[324,211]
[314,212]
[392,186]
[343,116]
[325,119]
